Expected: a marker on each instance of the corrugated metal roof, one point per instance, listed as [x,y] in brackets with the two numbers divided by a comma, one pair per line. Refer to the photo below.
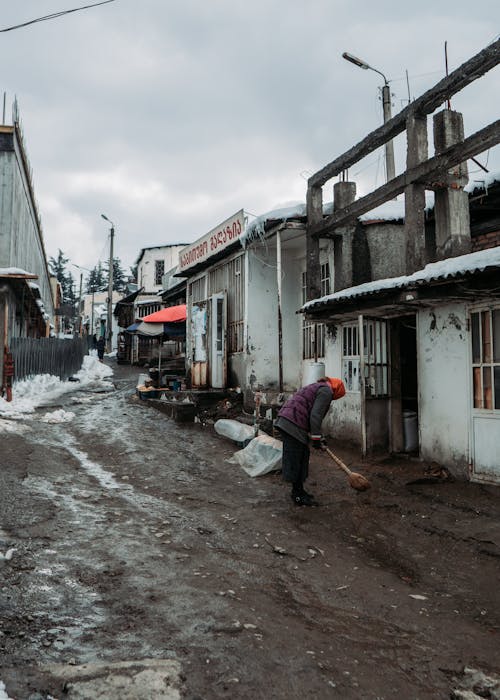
[441,270]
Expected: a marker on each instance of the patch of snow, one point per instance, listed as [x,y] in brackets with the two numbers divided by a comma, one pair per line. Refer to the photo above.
[256,228]
[394,210]
[15,271]
[483,183]
[59,416]
[3,692]
[30,393]
[11,426]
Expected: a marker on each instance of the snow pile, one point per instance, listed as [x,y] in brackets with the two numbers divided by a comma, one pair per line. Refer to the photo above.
[3,693]
[59,416]
[30,393]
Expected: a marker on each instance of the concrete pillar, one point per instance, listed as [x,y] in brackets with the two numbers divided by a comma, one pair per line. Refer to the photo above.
[313,268]
[344,193]
[451,203]
[417,152]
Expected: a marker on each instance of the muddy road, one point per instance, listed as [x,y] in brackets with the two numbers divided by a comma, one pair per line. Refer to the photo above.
[148,567]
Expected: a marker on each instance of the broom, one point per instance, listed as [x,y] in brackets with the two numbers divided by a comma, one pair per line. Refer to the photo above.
[356,481]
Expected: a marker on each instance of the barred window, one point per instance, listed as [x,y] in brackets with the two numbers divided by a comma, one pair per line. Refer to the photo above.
[197,290]
[485,327]
[235,304]
[159,270]
[375,357]
[229,278]
[313,334]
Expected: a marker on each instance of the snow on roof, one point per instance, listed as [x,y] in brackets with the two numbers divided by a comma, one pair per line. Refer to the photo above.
[394,209]
[147,301]
[451,267]
[284,212]
[7,271]
[483,183]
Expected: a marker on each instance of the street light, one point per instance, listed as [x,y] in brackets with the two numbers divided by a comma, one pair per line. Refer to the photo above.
[109,324]
[390,169]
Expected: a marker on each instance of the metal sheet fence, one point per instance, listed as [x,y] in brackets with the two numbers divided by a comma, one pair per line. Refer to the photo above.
[56,356]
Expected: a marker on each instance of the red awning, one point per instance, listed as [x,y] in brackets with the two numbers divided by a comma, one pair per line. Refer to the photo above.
[171,314]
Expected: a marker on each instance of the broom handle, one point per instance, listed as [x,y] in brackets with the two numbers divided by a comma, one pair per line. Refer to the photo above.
[338,461]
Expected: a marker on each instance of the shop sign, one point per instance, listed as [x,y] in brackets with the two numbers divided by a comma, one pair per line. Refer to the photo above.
[213,242]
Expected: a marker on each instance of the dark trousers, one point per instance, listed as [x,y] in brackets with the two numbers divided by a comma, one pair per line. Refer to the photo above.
[295,461]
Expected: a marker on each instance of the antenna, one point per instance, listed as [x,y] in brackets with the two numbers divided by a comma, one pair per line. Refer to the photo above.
[408,86]
[448,101]
[4,99]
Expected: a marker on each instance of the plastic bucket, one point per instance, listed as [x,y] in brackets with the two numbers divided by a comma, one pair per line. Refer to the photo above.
[312,372]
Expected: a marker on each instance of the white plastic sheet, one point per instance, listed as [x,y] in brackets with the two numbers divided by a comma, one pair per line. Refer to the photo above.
[234,430]
[261,456]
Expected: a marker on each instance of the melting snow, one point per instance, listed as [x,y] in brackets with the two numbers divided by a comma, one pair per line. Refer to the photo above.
[59,416]
[30,393]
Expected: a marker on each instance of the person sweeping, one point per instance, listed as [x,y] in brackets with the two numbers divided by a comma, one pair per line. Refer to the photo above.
[299,421]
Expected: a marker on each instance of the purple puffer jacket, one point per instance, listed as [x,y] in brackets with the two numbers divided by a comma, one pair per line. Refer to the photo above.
[298,407]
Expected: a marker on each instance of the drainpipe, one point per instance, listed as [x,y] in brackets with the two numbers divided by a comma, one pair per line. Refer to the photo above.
[280,320]
[362,387]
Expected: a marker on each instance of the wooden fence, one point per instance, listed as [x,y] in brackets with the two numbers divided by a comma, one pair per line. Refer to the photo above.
[55,356]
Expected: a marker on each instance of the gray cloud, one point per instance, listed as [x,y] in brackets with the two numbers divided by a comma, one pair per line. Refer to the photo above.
[170,116]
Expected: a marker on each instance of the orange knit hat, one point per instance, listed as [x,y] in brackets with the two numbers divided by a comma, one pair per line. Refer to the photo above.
[337,386]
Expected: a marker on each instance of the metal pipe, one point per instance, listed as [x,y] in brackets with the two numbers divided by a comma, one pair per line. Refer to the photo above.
[280,318]
[362,386]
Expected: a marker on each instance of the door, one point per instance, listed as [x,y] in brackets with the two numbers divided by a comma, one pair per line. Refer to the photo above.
[404,385]
[199,344]
[218,364]
[485,334]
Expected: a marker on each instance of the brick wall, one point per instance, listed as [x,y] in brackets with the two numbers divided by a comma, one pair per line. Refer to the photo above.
[486,240]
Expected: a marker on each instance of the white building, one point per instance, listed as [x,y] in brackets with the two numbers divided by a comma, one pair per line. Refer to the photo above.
[153,263]
[245,283]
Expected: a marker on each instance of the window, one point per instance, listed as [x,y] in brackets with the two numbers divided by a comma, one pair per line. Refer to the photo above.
[229,277]
[197,290]
[375,358]
[313,334]
[159,270]
[485,326]
[235,304]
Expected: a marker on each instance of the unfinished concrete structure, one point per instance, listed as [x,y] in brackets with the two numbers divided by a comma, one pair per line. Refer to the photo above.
[414,337]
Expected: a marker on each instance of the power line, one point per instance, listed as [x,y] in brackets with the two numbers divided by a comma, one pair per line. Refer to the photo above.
[54,15]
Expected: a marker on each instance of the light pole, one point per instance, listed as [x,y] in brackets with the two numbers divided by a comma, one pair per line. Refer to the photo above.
[109,329]
[390,169]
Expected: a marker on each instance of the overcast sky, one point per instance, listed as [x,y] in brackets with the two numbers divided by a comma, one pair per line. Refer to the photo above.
[170,115]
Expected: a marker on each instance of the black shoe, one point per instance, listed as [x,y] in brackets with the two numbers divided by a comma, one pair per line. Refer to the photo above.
[304,499]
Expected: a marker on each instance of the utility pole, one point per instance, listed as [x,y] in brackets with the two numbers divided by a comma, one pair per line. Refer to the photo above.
[110,291]
[109,324]
[80,306]
[390,169]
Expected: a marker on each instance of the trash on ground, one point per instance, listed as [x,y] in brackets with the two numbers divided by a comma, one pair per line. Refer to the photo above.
[234,430]
[261,456]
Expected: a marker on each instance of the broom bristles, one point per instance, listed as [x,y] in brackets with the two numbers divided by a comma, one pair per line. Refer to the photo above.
[358,482]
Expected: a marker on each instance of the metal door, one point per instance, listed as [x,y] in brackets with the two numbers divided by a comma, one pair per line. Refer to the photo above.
[218,325]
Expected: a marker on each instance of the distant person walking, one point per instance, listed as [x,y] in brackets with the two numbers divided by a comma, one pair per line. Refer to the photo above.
[100,348]
[299,420]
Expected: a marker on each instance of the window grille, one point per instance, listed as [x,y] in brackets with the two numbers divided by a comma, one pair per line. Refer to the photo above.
[485,326]
[197,290]
[229,278]
[375,358]
[310,336]
[159,271]
[235,304]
